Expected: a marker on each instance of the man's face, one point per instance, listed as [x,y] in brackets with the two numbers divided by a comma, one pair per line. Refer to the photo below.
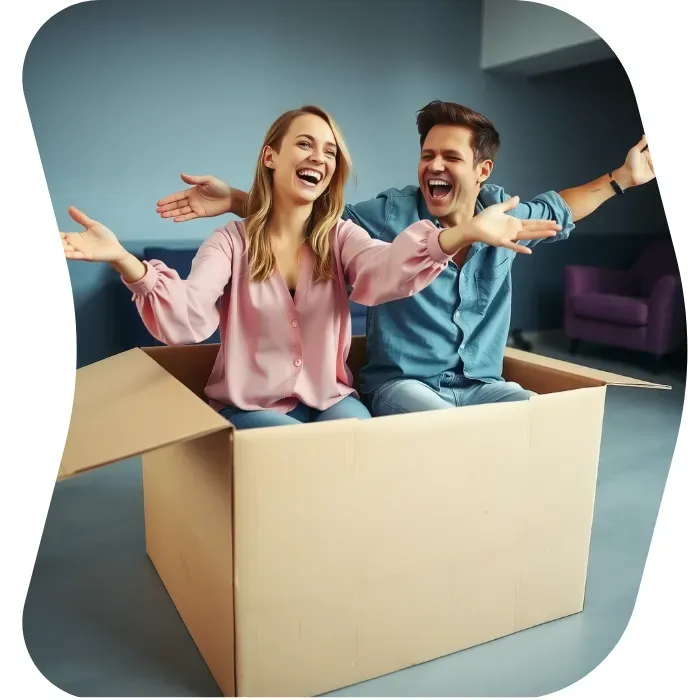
[447,175]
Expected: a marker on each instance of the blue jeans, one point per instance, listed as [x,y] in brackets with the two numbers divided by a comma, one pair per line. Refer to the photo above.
[411,395]
[349,407]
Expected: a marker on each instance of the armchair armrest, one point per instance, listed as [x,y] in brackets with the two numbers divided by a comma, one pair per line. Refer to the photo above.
[665,312]
[665,290]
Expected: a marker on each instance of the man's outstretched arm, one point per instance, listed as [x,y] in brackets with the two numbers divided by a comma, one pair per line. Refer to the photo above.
[575,203]
[211,196]
[637,169]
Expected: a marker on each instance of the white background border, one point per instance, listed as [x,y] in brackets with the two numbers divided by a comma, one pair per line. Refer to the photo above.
[658,45]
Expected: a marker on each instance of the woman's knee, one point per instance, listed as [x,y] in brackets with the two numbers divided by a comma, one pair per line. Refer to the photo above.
[349,407]
[243,420]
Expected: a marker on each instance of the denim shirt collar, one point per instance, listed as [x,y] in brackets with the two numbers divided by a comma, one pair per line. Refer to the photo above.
[425,214]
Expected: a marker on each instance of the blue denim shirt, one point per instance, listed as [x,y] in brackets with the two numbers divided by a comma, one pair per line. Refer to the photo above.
[459,323]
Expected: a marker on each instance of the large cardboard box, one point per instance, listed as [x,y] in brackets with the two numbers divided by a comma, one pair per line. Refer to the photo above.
[308,558]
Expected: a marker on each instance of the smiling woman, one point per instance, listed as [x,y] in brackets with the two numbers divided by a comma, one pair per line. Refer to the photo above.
[276,283]
[304,164]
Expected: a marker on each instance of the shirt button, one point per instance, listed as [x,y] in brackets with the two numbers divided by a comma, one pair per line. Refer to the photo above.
[297,363]
[295,323]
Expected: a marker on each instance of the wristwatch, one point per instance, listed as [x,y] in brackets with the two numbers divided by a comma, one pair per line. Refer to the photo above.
[615,185]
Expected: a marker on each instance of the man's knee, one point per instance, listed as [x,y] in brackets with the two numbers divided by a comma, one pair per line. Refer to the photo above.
[405,396]
[510,391]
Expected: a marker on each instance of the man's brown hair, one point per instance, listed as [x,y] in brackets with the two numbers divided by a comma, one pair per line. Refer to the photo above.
[485,139]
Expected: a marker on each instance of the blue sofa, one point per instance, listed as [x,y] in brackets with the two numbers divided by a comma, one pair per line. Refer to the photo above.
[135,333]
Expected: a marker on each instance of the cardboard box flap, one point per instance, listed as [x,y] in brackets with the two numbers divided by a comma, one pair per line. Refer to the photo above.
[599,377]
[126,405]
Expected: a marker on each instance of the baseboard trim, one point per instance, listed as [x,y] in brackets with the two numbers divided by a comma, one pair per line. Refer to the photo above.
[552,335]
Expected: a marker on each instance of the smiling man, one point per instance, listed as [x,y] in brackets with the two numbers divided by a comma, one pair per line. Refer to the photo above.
[444,346]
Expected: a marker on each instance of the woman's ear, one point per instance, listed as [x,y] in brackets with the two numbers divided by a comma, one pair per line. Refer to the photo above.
[269,157]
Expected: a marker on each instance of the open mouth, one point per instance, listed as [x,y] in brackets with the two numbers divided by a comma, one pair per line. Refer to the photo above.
[309,177]
[438,188]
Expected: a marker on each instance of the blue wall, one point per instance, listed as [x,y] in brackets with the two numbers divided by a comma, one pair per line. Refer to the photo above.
[125,95]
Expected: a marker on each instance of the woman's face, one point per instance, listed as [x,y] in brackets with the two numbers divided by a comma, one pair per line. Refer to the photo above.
[304,166]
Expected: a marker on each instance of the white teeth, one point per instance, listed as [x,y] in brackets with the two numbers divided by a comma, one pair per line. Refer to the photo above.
[311,173]
[436,183]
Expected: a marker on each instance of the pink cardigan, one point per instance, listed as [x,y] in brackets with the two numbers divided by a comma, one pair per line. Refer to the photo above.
[275,350]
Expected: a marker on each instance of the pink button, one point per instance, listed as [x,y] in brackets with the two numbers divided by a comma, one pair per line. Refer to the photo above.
[297,363]
[295,323]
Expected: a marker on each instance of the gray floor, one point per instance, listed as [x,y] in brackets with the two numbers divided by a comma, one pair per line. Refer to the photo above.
[98,622]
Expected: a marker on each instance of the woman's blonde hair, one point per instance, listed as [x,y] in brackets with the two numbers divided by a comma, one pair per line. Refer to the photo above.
[327,209]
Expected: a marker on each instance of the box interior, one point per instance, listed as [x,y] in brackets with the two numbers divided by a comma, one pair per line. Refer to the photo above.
[144,399]
[192,366]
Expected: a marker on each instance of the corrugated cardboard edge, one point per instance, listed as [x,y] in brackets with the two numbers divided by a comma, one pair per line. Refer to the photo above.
[357,359]
[126,405]
[193,555]
[573,370]
[128,455]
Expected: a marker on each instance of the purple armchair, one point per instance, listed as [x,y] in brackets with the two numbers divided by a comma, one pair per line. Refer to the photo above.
[638,309]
